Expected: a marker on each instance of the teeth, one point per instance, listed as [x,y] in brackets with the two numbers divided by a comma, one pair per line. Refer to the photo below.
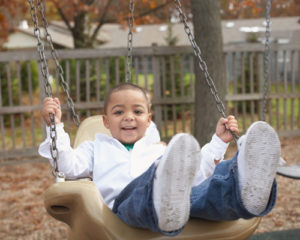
[128,128]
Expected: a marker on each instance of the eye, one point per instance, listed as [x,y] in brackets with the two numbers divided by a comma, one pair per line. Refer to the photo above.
[118,112]
[138,112]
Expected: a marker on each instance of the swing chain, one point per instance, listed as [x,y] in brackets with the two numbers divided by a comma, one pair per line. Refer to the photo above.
[59,68]
[129,41]
[40,48]
[266,59]
[202,64]
[48,89]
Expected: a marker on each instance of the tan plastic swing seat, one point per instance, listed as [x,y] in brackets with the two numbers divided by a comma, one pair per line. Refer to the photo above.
[80,205]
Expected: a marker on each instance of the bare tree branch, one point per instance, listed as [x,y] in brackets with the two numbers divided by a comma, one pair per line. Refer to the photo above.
[66,21]
[143,14]
[101,20]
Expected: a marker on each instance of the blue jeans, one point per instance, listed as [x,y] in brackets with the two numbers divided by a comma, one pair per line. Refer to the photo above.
[217,198]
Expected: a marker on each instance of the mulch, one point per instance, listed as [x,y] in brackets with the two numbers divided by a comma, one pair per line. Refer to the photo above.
[23,215]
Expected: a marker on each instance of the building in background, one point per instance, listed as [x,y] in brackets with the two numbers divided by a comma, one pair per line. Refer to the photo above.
[284,30]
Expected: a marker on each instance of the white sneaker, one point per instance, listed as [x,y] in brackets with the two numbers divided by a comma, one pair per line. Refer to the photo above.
[258,159]
[173,182]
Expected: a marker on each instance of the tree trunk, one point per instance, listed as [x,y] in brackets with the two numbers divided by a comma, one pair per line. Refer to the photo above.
[81,39]
[208,35]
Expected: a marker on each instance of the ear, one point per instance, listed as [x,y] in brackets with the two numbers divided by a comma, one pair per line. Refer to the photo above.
[149,119]
[105,121]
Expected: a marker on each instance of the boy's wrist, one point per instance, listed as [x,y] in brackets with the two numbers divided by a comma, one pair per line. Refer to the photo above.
[58,127]
[222,138]
[219,147]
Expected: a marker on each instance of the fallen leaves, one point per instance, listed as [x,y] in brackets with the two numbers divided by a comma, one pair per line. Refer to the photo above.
[23,216]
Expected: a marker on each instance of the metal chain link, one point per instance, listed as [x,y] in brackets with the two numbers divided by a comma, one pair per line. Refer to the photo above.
[59,68]
[129,41]
[266,60]
[48,88]
[202,63]
[40,48]
[47,85]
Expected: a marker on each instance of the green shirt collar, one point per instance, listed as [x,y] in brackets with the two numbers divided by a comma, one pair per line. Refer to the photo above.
[128,146]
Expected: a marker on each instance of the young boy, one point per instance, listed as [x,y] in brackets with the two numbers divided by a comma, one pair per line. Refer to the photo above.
[159,187]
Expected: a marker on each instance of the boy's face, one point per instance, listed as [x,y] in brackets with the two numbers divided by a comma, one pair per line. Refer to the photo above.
[127,115]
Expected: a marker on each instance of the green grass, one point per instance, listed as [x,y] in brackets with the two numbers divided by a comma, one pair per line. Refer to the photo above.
[281,119]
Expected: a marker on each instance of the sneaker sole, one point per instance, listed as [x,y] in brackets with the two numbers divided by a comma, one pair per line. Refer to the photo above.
[179,168]
[262,153]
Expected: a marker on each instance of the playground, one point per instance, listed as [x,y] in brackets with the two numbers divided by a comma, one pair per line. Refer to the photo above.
[261,84]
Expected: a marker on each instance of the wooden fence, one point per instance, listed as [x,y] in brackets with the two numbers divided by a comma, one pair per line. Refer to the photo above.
[167,72]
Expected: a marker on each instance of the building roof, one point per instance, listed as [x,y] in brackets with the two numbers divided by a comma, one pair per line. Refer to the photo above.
[233,31]
[61,36]
[283,30]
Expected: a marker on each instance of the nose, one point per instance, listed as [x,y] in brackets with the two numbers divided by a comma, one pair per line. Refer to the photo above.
[129,116]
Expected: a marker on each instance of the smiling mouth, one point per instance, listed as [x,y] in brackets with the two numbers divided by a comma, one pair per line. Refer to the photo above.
[128,128]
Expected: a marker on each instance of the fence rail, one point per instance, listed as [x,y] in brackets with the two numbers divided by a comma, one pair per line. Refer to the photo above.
[167,72]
